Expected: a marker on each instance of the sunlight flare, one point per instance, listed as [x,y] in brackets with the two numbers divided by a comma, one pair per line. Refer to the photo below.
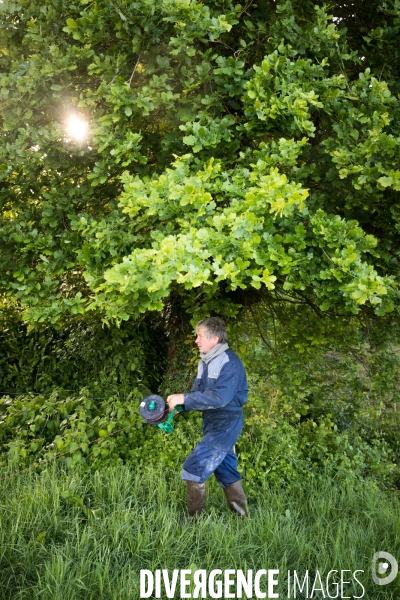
[77,128]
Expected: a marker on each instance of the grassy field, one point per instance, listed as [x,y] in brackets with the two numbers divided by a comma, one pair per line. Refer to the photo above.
[65,536]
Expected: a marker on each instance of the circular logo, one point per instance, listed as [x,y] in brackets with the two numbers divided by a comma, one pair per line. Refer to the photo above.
[383,567]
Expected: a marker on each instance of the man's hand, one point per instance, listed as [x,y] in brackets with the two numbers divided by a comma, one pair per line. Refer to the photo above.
[175,399]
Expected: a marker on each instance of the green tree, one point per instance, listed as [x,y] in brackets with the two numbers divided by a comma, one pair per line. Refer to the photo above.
[232,150]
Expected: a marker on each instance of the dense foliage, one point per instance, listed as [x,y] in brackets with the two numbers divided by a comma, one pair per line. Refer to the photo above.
[231,148]
[83,353]
[241,160]
[320,408]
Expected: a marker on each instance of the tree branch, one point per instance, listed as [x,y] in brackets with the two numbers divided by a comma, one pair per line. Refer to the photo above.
[134,69]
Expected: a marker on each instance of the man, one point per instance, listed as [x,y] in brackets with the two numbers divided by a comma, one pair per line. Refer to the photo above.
[219,391]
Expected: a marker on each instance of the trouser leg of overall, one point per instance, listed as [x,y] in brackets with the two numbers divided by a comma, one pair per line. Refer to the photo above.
[214,452]
[227,472]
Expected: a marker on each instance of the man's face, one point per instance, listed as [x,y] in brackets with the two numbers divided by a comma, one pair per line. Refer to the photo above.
[204,343]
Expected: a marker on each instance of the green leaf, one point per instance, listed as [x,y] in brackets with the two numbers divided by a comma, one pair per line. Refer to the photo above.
[386,181]
[72,24]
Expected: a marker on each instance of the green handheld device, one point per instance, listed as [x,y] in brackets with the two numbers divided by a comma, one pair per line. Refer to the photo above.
[155,411]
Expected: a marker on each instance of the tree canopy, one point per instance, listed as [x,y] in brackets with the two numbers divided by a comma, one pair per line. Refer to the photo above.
[233,150]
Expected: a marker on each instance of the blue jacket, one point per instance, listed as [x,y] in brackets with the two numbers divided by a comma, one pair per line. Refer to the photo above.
[220,386]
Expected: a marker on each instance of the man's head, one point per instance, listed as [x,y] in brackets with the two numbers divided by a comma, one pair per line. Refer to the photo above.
[210,332]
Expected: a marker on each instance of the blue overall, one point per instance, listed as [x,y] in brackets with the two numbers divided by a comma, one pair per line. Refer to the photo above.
[219,391]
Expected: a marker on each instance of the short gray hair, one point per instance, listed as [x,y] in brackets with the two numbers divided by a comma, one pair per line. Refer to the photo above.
[214,326]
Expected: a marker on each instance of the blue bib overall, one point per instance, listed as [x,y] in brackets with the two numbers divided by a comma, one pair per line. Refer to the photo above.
[219,391]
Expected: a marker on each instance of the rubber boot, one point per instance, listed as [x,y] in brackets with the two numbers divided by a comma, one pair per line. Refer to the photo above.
[236,498]
[196,498]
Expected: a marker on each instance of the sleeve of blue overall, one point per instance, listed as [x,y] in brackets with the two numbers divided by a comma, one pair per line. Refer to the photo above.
[195,388]
[224,391]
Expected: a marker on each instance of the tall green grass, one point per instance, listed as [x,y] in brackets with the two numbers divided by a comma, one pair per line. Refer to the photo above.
[65,536]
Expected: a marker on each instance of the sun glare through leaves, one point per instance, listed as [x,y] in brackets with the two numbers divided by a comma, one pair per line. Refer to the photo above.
[77,128]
